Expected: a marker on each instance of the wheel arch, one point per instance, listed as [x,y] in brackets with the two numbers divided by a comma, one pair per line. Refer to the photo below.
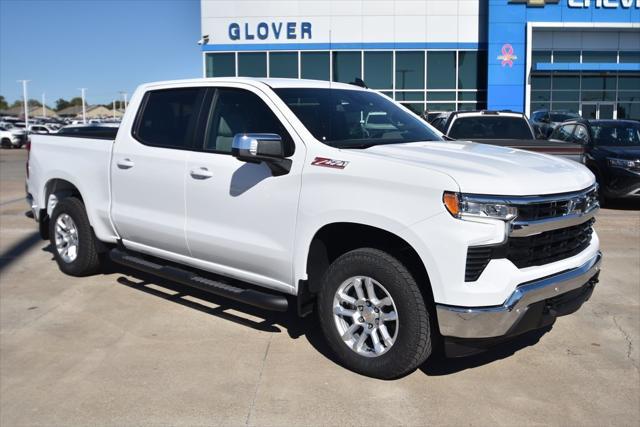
[336,238]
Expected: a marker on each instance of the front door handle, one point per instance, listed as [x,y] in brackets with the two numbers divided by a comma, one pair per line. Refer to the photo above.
[201,173]
[126,164]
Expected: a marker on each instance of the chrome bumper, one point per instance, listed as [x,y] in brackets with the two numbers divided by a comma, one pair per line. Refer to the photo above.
[496,321]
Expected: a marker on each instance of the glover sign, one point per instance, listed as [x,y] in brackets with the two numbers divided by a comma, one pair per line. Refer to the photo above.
[270,31]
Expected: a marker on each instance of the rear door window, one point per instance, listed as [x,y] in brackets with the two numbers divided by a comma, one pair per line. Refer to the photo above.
[168,117]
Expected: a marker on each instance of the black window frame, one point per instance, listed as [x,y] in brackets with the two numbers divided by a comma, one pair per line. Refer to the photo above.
[207,120]
[192,133]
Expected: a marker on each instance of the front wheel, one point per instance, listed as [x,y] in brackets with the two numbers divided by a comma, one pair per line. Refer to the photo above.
[72,238]
[373,314]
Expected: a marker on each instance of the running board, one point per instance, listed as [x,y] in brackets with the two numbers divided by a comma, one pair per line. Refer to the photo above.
[252,297]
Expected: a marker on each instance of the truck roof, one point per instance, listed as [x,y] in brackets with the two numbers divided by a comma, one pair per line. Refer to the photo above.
[275,83]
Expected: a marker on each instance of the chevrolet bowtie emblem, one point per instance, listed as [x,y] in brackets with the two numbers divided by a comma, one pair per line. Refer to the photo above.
[535,3]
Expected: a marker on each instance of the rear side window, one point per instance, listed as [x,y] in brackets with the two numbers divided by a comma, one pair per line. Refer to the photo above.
[490,127]
[240,111]
[168,117]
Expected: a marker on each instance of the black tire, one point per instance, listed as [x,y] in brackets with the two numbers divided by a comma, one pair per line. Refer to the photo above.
[6,143]
[414,340]
[87,261]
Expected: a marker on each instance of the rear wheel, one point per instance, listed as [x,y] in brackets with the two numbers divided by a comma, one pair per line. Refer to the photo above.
[373,314]
[5,143]
[72,238]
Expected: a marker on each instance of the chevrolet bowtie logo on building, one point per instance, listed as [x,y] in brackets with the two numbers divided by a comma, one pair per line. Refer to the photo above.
[535,3]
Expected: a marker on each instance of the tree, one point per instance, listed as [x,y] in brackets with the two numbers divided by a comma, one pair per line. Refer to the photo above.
[3,103]
[61,104]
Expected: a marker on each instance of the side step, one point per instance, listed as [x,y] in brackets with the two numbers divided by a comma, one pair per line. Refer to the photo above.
[252,297]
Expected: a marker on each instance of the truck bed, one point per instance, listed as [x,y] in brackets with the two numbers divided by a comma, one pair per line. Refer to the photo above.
[66,158]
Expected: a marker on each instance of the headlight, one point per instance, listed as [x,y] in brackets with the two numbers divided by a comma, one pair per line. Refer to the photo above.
[462,205]
[623,163]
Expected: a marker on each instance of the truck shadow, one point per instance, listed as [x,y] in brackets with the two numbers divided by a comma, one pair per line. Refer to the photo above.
[289,322]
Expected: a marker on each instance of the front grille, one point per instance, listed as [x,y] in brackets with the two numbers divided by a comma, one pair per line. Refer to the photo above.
[539,249]
[556,208]
[550,246]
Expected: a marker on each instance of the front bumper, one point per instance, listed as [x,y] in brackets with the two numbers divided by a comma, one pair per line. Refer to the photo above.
[502,320]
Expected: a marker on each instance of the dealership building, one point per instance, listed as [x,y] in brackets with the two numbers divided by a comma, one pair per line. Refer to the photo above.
[440,55]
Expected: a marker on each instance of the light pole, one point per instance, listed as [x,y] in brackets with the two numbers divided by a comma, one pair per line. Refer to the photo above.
[24,102]
[84,111]
[44,111]
[114,110]
[124,96]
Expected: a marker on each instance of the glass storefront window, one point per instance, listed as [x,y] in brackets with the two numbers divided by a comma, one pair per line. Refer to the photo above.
[441,70]
[441,96]
[598,95]
[252,64]
[629,57]
[378,70]
[283,64]
[629,96]
[314,65]
[573,107]
[220,64]
[598,83]
[409,70]
[436,106]
[472,69]
[417,108]
[409,96]
[537,106]
[566,95]
[566,83]
[540,95]
[629,83]
[629,111]
[593,57]
[564,56]
[346,66]
[540,82]
[541,56]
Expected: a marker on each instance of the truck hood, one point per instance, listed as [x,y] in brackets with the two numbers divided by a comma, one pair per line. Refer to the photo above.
[488,169]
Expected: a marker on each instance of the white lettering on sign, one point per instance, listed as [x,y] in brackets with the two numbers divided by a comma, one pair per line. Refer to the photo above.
[605,4]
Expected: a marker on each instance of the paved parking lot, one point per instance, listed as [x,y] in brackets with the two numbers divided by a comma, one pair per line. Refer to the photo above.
[121,348]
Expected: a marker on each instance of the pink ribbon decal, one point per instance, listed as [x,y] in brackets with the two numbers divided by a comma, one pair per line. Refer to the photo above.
[507,56]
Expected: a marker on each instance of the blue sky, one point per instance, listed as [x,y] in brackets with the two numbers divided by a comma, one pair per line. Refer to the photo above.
[103,45]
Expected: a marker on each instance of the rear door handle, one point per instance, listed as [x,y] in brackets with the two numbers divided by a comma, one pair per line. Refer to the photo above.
[201,173]
[126,164]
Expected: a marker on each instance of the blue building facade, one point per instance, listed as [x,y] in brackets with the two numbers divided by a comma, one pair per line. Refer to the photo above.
[577,55]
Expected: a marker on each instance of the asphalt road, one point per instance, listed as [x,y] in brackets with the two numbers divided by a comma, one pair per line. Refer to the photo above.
[124,349]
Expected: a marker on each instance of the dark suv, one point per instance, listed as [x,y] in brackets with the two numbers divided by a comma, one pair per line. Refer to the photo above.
[611,151]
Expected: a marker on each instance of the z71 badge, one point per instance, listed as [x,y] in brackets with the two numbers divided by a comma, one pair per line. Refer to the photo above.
[329,163]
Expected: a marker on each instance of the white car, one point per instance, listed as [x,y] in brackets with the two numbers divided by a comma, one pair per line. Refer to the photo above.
[42,129]
[9,139]
[272,192]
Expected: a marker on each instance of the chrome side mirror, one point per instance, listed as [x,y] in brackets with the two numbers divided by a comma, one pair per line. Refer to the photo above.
[261,147]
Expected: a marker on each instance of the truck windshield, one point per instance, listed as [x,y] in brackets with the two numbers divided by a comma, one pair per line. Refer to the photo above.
[490,127]
[346,118]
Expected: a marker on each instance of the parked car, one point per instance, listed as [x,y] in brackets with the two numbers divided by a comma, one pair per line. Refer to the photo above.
[42,129]
[19,134]
[503,128]
[612,153]
[546,121]
[9,139]
[273,193]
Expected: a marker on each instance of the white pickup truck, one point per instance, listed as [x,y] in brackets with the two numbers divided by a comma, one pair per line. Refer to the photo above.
[279,194]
